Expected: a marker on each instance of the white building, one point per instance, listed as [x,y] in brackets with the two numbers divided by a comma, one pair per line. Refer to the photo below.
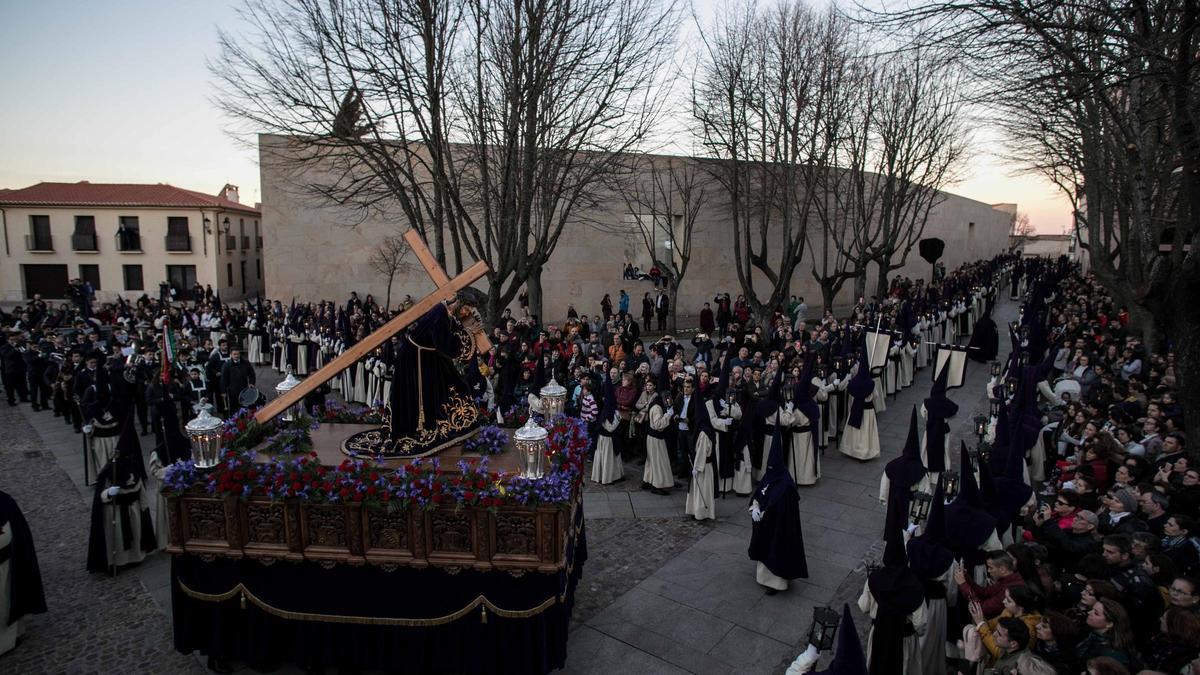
[127,240]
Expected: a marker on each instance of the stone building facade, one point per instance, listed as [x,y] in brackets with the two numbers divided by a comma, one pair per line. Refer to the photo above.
[127,239]
[321,251]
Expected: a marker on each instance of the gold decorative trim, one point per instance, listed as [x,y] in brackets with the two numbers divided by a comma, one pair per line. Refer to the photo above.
[479,601]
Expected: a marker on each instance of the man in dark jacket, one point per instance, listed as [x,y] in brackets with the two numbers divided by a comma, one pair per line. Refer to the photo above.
[35,370]
[1066,547]
[236,375]
[1138,592]
[12,362]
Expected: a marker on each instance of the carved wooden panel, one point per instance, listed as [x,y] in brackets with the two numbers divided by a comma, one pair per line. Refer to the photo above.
[387,530]
[451,532]
[265,523]
[206,520]
[516,534]
[175,533]
[326,525]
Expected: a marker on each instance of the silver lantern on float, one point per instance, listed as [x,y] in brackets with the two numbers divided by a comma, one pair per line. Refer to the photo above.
[205,434]
[554,400]
[296,410]
[530,441]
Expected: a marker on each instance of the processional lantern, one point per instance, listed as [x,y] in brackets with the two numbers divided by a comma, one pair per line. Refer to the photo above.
[918,508]
[530,441]
[949,484]
[205,434]
[994,408]
[981,422]
[296,410]
[996,369]
[1010,387]
[554,399]
[824,627]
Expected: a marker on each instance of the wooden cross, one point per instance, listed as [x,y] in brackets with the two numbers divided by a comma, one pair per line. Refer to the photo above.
[446,289]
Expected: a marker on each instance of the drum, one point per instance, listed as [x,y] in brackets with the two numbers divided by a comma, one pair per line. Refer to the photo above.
[249,397]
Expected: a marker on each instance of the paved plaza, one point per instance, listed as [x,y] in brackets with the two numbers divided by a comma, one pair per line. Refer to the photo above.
[660,593]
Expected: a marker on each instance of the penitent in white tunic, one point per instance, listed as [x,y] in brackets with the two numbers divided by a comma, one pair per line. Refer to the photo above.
[606,466]
[861,442]
[912,645]
[803,461]
[701,498]
[658,460]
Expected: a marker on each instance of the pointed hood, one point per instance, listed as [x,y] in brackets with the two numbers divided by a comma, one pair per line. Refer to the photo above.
[860,388]
[176,446]
[128,462]
[928,555]
[894,586]
[991,497]
[773,398]
[802,398]
[968,524]
[776,480]
[849,657]
[907,470]
[609,409]
[663,384]
[939,408]
[539,373]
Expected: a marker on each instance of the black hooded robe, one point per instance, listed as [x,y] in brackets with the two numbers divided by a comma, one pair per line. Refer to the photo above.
[24,594]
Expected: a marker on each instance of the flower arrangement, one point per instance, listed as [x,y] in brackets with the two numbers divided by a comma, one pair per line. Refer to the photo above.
[490,440]
[336,412]
[421,483]
[179,476]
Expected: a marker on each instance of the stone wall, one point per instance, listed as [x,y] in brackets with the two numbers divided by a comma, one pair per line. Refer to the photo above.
[320,251]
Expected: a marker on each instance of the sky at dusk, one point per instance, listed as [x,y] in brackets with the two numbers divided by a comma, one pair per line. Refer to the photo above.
[119,91]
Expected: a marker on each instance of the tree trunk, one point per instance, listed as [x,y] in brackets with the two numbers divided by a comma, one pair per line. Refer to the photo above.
[860,284]
[387,302]
[881,284]
[533,286]
[1185,341]
[828,293]
[672,295]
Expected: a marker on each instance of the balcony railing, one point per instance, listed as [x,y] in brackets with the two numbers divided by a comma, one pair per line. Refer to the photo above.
[230,242]
[258,243]
[35,242]
[129,241]
[245,243]
[85,242]
[179,242]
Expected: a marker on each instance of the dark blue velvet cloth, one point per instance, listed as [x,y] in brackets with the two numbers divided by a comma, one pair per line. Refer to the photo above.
[521,646]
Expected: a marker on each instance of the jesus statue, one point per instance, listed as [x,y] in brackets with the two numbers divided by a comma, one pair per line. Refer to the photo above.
[430,407]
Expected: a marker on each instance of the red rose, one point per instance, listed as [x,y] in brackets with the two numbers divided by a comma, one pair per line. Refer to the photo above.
[293,476]
[469,496]
[372,490]
[238,475]
[320,471]
[374,475]
[296,487]
[252,475]
[387,496]
[358,497]
[480,484]
[307,477]
[344,492]
[437,499]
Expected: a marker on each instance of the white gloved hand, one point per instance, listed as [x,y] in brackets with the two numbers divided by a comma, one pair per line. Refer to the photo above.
[789,406]
[756,514]
[805,662]
[113,491]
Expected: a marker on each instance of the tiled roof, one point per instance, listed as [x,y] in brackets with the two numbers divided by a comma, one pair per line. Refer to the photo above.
[116,194]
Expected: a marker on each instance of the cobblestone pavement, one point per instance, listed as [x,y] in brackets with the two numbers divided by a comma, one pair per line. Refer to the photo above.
[95,623]
[624,551]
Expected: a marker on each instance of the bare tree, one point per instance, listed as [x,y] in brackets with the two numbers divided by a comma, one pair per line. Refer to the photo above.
[670,192]
[390,259]
[905,144]
[759,101]
[487,124]
[1101,98]
[1020,231]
